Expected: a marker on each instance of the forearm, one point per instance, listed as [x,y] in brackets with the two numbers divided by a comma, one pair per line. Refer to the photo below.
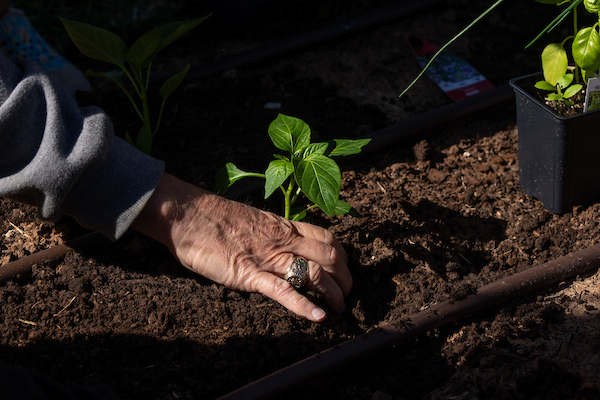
[64,159]
[167,208]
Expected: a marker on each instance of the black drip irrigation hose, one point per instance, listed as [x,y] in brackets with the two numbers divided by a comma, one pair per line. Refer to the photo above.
[380,139]
[387,334]
[312,38]
[21,268]
[438,117]
[436,316]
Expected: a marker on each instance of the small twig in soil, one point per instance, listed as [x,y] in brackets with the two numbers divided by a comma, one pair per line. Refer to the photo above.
[65,307]
[19,230]
[27,322]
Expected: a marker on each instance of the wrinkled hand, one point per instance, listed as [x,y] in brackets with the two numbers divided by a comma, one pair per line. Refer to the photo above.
[245,248]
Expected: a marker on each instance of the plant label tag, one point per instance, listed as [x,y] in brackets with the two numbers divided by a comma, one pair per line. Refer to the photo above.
[456,77]
[592,95]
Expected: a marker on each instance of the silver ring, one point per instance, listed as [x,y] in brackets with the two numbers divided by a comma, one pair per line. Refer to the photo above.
[297,272]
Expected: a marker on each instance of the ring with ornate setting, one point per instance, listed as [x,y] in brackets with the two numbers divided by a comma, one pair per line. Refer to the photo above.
[297,272]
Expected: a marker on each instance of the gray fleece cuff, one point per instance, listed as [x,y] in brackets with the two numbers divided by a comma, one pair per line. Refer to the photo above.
[109,196]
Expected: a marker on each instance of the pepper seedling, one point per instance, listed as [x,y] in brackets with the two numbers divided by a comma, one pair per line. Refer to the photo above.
[134,63]
[563,90]
[305,168]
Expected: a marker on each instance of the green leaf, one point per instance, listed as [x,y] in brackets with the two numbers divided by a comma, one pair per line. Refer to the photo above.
[347,147]
[554,62]
[143,141]
[277,172]
[342,208]
[174,30]
[297,216]
[543,85]
[586,49]
[320,179]
[96,43]
[314,148]
[592,6]
[555,96]
[230,174]
[289,133]
[565,80]
[144,49]
[172,83]
[572,91]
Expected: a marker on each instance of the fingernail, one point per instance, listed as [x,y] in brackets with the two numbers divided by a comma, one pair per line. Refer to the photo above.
[342,308]
[318,314]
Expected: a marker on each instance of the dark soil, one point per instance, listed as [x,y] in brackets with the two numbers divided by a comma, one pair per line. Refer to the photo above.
[442,215]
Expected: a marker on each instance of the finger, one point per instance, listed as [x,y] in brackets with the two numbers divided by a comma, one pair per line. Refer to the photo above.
[327,257]
[320,281]
[322,235]
[282,292]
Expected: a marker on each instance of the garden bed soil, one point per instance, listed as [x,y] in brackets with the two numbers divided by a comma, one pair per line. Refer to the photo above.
[443,214]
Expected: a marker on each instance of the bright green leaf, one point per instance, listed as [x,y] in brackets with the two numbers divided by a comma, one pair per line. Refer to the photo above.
[320,179]
[144,49]
[96,43]
[572,90]
[174,30]
[228,175]
[289,133]
[586,49]
[342,208]
[565,80]
[554,62]
[543,85]
[277,172]
[347,147]
[592,6]
[555,96]
[314,148]
[173,83]
[297,216]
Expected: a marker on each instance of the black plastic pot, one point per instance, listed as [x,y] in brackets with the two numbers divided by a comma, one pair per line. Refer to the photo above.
[559,157]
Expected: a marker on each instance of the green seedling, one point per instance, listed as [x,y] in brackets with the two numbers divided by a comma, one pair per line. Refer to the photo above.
[563,91]
[585,48]
[134,63]
[304,167]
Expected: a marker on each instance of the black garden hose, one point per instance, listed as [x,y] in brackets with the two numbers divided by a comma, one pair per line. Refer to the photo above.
[436,316]
[21,268]
[312,38]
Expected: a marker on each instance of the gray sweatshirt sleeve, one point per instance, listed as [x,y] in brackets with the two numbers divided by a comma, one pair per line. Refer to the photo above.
[64,159]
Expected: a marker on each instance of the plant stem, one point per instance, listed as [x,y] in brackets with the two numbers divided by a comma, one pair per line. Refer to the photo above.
[575,30]
[287,199]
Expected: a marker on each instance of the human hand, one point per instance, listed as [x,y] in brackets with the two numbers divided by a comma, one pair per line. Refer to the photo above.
[245,248]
